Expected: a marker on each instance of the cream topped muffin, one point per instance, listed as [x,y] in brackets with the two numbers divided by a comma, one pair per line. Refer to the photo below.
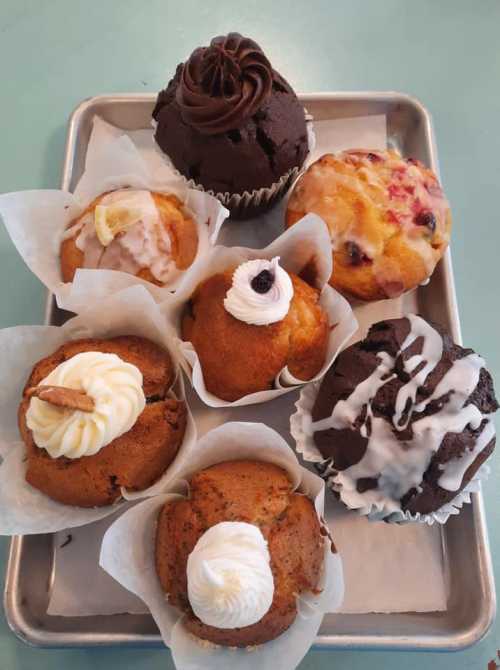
[97,416]
[250,322]
[235,555]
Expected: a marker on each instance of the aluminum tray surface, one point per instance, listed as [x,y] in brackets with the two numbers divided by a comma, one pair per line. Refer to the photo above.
[471,604]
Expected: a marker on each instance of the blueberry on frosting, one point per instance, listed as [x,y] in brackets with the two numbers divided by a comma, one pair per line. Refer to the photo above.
[261,292]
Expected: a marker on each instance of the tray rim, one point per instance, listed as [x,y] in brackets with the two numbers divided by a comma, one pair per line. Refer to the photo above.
[460,640]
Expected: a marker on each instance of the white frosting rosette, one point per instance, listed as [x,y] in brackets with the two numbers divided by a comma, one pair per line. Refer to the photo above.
[299,247]
[400,465]
[37,220]
[128,555]
[24,509]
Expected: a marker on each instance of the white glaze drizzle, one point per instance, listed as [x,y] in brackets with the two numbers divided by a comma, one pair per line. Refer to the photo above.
[399,464]
[146,244]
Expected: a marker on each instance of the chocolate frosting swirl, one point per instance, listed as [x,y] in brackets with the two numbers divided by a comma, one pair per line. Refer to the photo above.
[224,84]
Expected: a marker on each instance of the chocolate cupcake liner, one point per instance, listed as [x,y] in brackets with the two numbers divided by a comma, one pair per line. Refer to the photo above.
[298,248]
[36,220]
[127,554]
[301,430]
[248,203]
[24,509]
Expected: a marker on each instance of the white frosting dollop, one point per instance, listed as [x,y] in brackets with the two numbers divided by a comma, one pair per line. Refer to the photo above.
[116,388]
[230,583]
[259,309]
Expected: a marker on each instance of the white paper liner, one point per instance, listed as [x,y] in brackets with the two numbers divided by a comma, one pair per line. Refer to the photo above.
[261,198]
[298,246]
[37,220]
[301,430]
[24,509]
[127,553]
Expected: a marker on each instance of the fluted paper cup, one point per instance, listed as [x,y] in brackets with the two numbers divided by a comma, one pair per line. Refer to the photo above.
[128,555]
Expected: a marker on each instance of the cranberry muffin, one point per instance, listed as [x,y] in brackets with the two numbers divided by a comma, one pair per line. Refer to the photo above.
[388,218]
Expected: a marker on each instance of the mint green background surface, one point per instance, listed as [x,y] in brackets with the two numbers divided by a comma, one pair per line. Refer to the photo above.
[54,53]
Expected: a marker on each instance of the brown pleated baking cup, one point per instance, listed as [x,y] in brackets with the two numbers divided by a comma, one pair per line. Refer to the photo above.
[250,203]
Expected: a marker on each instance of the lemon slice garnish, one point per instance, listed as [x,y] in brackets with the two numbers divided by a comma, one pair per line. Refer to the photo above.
[109,220]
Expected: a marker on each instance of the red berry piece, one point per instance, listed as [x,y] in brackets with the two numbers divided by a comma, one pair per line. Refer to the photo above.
[427,219]
[356,256]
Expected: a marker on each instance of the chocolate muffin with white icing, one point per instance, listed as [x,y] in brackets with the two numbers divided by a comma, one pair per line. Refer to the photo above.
[231,123]
[403,419]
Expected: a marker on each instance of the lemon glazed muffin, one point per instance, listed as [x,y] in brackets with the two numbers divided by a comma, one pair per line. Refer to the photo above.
[236,554]
[249,322]
[388,218]
[404,418]
[96,416]
[144,233]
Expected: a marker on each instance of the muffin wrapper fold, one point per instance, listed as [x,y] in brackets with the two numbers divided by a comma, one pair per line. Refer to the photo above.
[128,549]
[260,199]
[36,220]
[300,428]
[298,247]
[24,509]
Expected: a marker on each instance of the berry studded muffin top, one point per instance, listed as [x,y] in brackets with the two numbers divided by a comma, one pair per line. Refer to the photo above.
[388,218]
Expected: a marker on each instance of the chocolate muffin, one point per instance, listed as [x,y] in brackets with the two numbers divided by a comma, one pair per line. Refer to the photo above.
[136,458]
[230,122]
[247,493]
[403,418]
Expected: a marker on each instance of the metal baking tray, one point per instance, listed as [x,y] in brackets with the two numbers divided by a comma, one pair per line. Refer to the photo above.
[471,605]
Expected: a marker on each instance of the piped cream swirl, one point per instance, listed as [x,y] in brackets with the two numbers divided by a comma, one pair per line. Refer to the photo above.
[116,388]
[260,309]
[230,583]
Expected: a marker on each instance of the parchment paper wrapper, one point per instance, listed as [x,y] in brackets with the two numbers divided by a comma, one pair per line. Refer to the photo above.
[297,247]
[249,203]
[24,509]
[127,553]
[36,220]
[301,430]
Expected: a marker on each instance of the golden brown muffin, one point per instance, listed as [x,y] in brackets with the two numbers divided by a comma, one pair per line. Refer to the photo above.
[238,358]
[134,460]
[253,492]
[179,225]
[388,218]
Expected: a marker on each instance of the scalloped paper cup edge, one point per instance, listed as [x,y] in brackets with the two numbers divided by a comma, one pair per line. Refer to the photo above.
[300,429]
[239,202]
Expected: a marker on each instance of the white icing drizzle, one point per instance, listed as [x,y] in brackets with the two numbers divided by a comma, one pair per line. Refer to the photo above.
[432,351]
[259,309]
[145,244]
[455,469]
[400,464]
